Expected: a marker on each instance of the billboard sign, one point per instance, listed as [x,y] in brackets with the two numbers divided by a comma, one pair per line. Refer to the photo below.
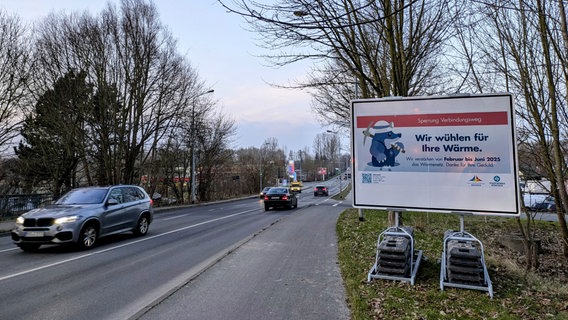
[290,167]
[444,154]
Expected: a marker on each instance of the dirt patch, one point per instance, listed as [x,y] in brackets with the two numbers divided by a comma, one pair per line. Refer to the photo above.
[552,263]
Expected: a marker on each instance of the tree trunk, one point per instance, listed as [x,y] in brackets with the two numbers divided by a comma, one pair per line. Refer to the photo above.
[554,127]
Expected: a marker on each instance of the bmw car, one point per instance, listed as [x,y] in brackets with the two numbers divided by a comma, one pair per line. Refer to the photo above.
[84,215]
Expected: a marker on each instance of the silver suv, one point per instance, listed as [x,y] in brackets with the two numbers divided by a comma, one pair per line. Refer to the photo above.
[84,215]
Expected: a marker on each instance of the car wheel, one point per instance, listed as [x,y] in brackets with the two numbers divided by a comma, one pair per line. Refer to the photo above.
[142,226]
[88,237]
[29,247]
[315,194]
[289,206]
[266,207]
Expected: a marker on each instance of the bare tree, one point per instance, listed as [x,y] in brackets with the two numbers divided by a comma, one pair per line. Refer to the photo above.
[142,85]
[150,75]
[247,159]
[193,124]
[213,143]
[14,74]
[274,162]
[167,171]
[368,48]
[521,48]
[326,148]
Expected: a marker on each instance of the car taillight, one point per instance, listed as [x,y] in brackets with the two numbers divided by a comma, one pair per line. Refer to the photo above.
[265,197]
[315,189]
[284,197]
[151,202]
[324,189]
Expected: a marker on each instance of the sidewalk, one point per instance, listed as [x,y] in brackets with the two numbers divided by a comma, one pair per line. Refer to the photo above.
[289,271]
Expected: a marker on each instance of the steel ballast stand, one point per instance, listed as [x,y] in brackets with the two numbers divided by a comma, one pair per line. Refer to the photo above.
[463,262]
[396,258]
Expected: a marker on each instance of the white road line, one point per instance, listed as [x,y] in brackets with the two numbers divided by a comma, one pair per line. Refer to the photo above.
[119,246]
[175,217]
[6,250]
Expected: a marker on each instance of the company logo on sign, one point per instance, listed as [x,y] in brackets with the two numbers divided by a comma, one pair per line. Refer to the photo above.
[475,179]
[497,182]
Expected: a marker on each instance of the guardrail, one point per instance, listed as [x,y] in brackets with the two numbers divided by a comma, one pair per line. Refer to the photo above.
[12,205]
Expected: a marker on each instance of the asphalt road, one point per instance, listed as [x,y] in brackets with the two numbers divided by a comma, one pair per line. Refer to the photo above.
[125,276]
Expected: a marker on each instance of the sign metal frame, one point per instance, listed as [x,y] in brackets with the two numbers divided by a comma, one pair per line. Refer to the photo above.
[449,154]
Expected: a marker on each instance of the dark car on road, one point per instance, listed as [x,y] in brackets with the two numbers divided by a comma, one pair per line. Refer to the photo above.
[320,191]
[264,191]
[84,215]
[280,197]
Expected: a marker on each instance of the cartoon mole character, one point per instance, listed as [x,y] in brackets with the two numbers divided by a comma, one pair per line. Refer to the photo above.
[384,147]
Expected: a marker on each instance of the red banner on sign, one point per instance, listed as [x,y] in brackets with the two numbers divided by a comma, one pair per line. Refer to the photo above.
[441,119]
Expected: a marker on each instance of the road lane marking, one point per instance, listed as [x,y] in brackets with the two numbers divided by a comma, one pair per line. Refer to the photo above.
[175,217]
[120,246]
[6,250]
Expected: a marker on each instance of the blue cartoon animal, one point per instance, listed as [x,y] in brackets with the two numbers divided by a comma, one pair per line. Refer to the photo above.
[384,146]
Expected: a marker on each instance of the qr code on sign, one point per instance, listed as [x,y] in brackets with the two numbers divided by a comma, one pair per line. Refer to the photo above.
[367,178]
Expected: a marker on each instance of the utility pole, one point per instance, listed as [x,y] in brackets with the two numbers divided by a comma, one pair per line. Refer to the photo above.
[260,164]
[193,181]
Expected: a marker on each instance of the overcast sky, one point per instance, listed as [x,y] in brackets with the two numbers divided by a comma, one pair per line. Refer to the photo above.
[224,53]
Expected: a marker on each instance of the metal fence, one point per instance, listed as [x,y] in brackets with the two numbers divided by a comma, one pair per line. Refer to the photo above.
[12,205]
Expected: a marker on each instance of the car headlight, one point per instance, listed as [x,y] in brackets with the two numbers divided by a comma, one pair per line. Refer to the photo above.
[67,219]
[20,220]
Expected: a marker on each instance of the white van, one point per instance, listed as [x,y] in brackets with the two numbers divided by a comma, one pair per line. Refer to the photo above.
[530,199]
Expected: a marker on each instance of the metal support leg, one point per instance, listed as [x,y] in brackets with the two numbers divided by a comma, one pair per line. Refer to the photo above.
[393,261]
[466,260]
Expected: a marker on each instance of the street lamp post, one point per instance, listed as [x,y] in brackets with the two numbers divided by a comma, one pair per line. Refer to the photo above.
[361,217]
[260,165]
[300,155]
[339,151]
[193,181]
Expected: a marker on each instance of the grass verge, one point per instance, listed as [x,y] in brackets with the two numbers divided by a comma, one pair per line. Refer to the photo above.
[517,294]
[341,195]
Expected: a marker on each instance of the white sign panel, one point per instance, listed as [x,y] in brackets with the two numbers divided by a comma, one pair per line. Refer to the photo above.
[445,154]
